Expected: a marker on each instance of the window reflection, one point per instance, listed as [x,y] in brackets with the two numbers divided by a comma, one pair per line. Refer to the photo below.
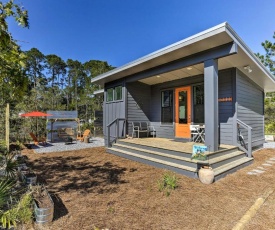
[182,107]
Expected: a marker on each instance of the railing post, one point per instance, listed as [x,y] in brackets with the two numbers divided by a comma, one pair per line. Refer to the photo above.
[108,136]
[249,144]
[117,128]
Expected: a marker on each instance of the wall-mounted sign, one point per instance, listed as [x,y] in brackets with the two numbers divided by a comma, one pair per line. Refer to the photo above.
[225,99]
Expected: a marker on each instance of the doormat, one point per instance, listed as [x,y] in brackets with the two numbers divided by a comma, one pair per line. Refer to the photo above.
[183,140]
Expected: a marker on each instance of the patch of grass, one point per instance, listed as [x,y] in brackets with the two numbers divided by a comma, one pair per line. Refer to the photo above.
[167,183]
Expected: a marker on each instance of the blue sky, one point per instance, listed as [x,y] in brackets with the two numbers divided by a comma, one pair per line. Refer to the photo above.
[120,31]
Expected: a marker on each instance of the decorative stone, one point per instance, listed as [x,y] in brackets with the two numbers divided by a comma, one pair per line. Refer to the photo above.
[206,175]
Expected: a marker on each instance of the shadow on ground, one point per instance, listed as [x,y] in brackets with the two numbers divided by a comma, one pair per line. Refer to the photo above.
[60,209]
[74,173]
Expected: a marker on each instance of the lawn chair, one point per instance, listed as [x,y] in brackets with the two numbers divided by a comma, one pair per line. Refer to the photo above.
[36,140]
[81,137]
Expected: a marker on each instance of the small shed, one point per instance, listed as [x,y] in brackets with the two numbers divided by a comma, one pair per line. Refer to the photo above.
[62,120]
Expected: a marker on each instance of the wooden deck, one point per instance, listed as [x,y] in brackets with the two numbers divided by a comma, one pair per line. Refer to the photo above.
[169,144]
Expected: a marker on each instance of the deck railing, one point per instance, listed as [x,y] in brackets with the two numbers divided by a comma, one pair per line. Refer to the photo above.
[117,134]
[244,142]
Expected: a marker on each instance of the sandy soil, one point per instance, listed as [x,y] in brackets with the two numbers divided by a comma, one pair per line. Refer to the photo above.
[92,189]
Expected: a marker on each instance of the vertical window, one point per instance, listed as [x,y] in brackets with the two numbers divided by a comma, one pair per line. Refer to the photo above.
[198,99]
[118,93]
[110,94]
[167,106]
[182,107]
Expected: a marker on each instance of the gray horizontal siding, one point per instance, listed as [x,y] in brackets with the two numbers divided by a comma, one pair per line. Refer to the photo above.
[138,103]
[165,131]
[226,109]
[250,108]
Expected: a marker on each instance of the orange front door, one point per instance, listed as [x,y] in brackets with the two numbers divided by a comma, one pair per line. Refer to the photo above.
[183,111]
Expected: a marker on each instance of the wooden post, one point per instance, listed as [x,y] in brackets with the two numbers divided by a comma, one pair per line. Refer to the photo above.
[8,126]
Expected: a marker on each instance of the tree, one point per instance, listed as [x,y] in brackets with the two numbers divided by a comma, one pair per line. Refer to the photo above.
[13,81]
[57,70]
[11,57]
[76,81]
[35,65]
[268,58]
[269,62]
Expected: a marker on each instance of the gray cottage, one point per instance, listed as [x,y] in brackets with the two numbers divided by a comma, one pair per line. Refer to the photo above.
[210,81]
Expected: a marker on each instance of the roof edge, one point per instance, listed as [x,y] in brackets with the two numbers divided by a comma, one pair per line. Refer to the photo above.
[159,52]
[249,52]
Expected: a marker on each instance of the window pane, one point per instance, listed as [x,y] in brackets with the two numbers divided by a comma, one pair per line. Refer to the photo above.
[167,106]
[110,94]
[118,93]
[183,107]
[198,103]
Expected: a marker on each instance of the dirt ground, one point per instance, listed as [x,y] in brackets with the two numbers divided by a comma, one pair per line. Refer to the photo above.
[92,189]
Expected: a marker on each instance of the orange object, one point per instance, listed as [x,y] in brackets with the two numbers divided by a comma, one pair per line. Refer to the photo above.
[81,137]
[183,112]
[36,140]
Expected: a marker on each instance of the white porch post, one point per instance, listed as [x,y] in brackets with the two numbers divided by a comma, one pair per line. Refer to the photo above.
[211,107]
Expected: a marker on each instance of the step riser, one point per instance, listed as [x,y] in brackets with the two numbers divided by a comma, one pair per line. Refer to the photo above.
[232,170]
[177,153]
[167,151]
[222,153]
[155,164]
[226,161]
[167,159]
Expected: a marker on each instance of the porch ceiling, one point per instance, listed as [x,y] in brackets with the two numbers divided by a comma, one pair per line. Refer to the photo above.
[239,60]
[211,38]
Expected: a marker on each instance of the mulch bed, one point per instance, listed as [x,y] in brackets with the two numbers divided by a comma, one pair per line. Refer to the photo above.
[92,189]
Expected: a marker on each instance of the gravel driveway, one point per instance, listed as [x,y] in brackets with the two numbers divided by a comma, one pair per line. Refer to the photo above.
[61,146]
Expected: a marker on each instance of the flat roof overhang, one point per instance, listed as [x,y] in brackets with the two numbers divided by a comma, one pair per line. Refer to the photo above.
[214,37]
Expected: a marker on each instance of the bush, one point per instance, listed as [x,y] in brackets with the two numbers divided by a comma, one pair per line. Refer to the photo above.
[167,183]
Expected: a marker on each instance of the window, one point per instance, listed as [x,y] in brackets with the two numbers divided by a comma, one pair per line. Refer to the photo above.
[110,94]
[118,93]
[167,106]
[114,94]
[198,98]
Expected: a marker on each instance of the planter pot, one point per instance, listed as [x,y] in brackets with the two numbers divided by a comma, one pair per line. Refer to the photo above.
[206,175]
[44,208]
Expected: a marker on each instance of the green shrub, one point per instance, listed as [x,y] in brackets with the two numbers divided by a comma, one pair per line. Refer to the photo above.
[167,183]
[21,212]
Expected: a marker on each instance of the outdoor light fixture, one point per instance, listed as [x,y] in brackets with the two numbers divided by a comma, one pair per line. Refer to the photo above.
[189,68]
[248,68]
[158,76]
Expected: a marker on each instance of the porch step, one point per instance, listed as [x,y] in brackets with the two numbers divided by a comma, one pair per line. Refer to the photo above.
[179,168]
[178,159]
[231,167]
[223,162]
[159,155]
[226,158]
